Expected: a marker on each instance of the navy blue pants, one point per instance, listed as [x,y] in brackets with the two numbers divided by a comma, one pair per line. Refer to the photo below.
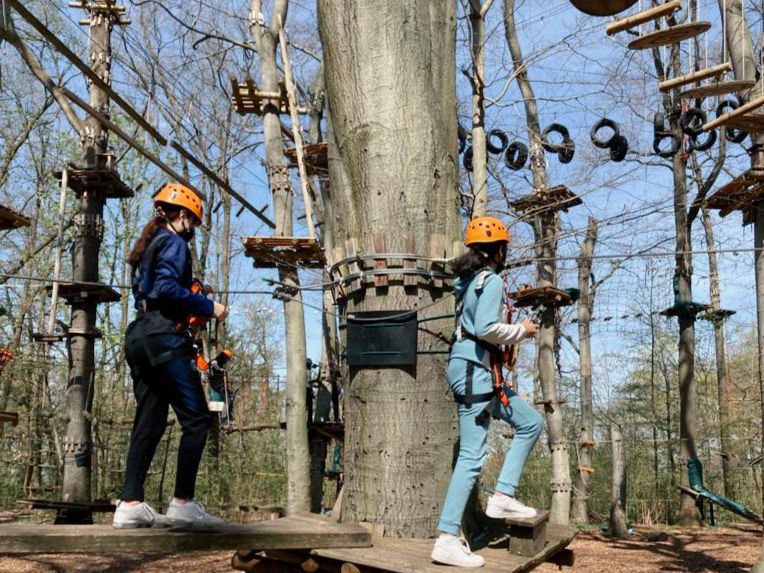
[174,382]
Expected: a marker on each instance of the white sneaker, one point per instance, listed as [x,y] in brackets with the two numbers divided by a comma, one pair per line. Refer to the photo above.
[505,507]
[138,515]
[452,550]
[190,513]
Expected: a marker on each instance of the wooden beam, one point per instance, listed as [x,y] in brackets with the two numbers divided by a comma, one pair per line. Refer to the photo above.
[697,76]
[742,110]
[129,110]
[642,17]
[294,532]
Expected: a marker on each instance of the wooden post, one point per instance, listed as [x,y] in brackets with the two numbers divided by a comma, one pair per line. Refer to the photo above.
[59,249]
[644,16]
[742,110]
[617,527]
[666,85]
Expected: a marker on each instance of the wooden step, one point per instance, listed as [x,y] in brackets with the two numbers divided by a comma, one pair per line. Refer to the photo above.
[697,76]
[9,418]
[294,532]
[73,292]
[718,88]
[737,116]
[644,16]
[527,536]
[271,252]
[670,35]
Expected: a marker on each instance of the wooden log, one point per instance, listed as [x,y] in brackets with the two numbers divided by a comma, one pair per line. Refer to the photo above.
[742,110]
[697,76]
[409,245]
[378,240]
[642,17]
[293,532]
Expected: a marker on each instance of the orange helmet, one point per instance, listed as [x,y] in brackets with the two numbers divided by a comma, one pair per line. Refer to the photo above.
[485,230]
[180,196]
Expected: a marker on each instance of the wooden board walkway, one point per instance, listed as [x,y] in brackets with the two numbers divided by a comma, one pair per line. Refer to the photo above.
[294,532]
[413,555]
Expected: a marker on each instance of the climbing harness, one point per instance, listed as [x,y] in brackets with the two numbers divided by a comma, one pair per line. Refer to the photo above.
[499,358]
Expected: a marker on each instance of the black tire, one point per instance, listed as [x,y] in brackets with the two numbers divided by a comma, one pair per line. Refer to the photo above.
[568,151]
[554,128]
[503,139]
[676,145]
[659,124]
[618,149]
[467,159]
[695,145]
[516,155]
[692,121]
[731,134]
[604,123]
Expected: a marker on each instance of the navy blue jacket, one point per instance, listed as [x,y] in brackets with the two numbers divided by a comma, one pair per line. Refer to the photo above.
[169,281]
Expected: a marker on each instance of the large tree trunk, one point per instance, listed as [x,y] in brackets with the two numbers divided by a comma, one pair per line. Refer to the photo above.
[585,306]
[545,229]
[617,524]
[298,459]
[721,359]
[88,234]
[390,84]
[743,61]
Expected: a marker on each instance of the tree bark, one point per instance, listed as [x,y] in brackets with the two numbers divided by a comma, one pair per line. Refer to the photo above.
[585,307]
[617,527]
[743,60]
[298,457]
[390,84]
[87,243]
[545,230]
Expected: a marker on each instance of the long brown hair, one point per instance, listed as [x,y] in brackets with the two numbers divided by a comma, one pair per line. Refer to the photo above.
[169,213]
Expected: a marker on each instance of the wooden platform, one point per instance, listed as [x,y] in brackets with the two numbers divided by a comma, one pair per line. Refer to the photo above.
[314,156]
[247,98]
[739,194]
[76,292]
[670,35]
[692,309]
[11,418]
[106,181]
[10,219]
[270,252]
[558,198]
[413,555]
[751,123]
[295,532]
[718,88]
[538,297]
[716,316]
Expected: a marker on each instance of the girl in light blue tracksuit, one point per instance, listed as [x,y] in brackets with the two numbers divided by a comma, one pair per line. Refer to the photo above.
[482,318]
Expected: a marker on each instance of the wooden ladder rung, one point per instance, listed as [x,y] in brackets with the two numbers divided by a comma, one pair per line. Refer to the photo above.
[666,85]
[741,111]
[644,16]
[585,469]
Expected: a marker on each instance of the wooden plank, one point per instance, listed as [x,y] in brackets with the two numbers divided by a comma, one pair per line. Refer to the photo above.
[742,110]
[9,418]
[697,76]
[238,103]
[718,88]
[642,17]
[378,241]
[670,35]
[294,532]
[437,251]
[409,245]
[413,555]
[10,219]
[351,250]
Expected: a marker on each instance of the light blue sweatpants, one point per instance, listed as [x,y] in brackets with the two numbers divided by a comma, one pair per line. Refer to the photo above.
[472,443]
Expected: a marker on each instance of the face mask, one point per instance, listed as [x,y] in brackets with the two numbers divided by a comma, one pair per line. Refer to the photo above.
[502,261]
[185,233]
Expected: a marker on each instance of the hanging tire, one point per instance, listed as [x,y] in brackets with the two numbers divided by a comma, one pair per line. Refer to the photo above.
[676,145]
[516,155]
[565,155]
[692,121]
[730,133]
[467,159]
[503,141]
[659,124]
[695,145]
[603,124]
[554,128]
[618,149]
